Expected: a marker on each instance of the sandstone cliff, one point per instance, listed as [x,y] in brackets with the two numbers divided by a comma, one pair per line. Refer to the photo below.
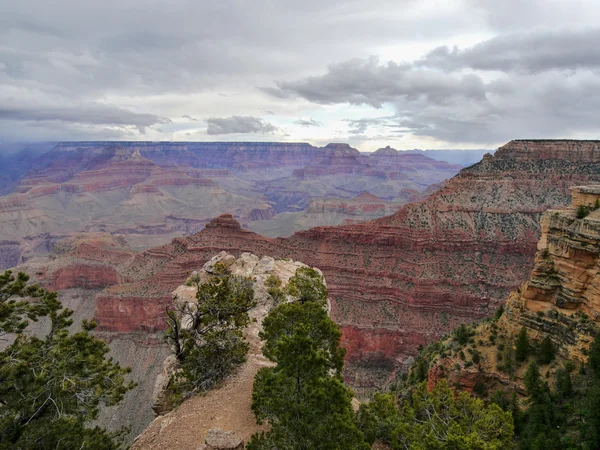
[560,301]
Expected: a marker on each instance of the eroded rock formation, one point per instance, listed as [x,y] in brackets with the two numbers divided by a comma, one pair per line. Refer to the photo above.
[560,300]
[222,416]
[400,281]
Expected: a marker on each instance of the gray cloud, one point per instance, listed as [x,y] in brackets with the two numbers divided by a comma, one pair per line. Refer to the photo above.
[174,59]
[527,51]
[91,114]
[307,123]
[508,15]
[238,124]
[367,82]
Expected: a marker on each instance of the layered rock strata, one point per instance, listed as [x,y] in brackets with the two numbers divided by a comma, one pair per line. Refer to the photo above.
[560,300]
[403,280]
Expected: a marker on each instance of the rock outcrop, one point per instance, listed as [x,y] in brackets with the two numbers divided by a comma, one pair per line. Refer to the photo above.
[222,416]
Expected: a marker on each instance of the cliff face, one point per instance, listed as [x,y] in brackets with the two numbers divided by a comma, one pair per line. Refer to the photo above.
[560,300]
[567,263]
[151,192]
[396,282]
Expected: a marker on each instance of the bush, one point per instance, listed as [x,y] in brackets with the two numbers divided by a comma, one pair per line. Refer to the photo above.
[462,334]
[582,211]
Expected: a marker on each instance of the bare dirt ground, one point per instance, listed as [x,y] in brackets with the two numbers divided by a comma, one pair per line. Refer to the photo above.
[227,407]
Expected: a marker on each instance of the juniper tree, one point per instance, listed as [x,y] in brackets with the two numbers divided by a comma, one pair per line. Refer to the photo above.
[207,337]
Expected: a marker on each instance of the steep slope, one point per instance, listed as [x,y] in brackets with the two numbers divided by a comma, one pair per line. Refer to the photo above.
[560,301]
[407,279]
[326,212]
[396,282]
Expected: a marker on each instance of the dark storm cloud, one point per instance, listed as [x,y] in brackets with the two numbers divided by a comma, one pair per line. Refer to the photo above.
[528,51]
[307,123]
[238,124]
[84,114]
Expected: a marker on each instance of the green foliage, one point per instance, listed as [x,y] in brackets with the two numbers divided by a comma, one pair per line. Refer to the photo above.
[522,346]
[418,371]
[378,418]
[506,353]
[52,386]
[546,351]
[591,412]
[273,284]
[594,356]
[207,339]
[462,333]
[307,285]
[498,313]
[582,211]
[542,419]
[303,397]
[532,380]
[480,389]
[437,420]
[15,310]
[563,384]
[476,357]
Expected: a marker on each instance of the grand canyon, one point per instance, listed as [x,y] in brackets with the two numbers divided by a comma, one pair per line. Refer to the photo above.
[395,283]
[149,193]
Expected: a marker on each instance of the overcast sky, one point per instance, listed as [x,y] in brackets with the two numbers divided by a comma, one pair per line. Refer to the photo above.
[408,73]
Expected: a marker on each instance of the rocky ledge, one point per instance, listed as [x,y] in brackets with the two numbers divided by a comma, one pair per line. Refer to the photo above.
[222,417]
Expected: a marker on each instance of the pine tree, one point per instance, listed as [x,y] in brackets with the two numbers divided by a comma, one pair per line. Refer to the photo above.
[522,345]
[303,397]
[546,352]
[52,387]
[532,380]
[563,384]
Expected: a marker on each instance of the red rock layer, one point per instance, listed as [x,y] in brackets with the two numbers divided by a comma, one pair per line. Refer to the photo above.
[399,281]
[412,276]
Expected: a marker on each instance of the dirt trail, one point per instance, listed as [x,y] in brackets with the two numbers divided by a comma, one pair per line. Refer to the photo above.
[227,407]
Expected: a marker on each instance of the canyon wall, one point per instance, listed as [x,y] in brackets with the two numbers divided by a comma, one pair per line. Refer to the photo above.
[406,279]
[560,300]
